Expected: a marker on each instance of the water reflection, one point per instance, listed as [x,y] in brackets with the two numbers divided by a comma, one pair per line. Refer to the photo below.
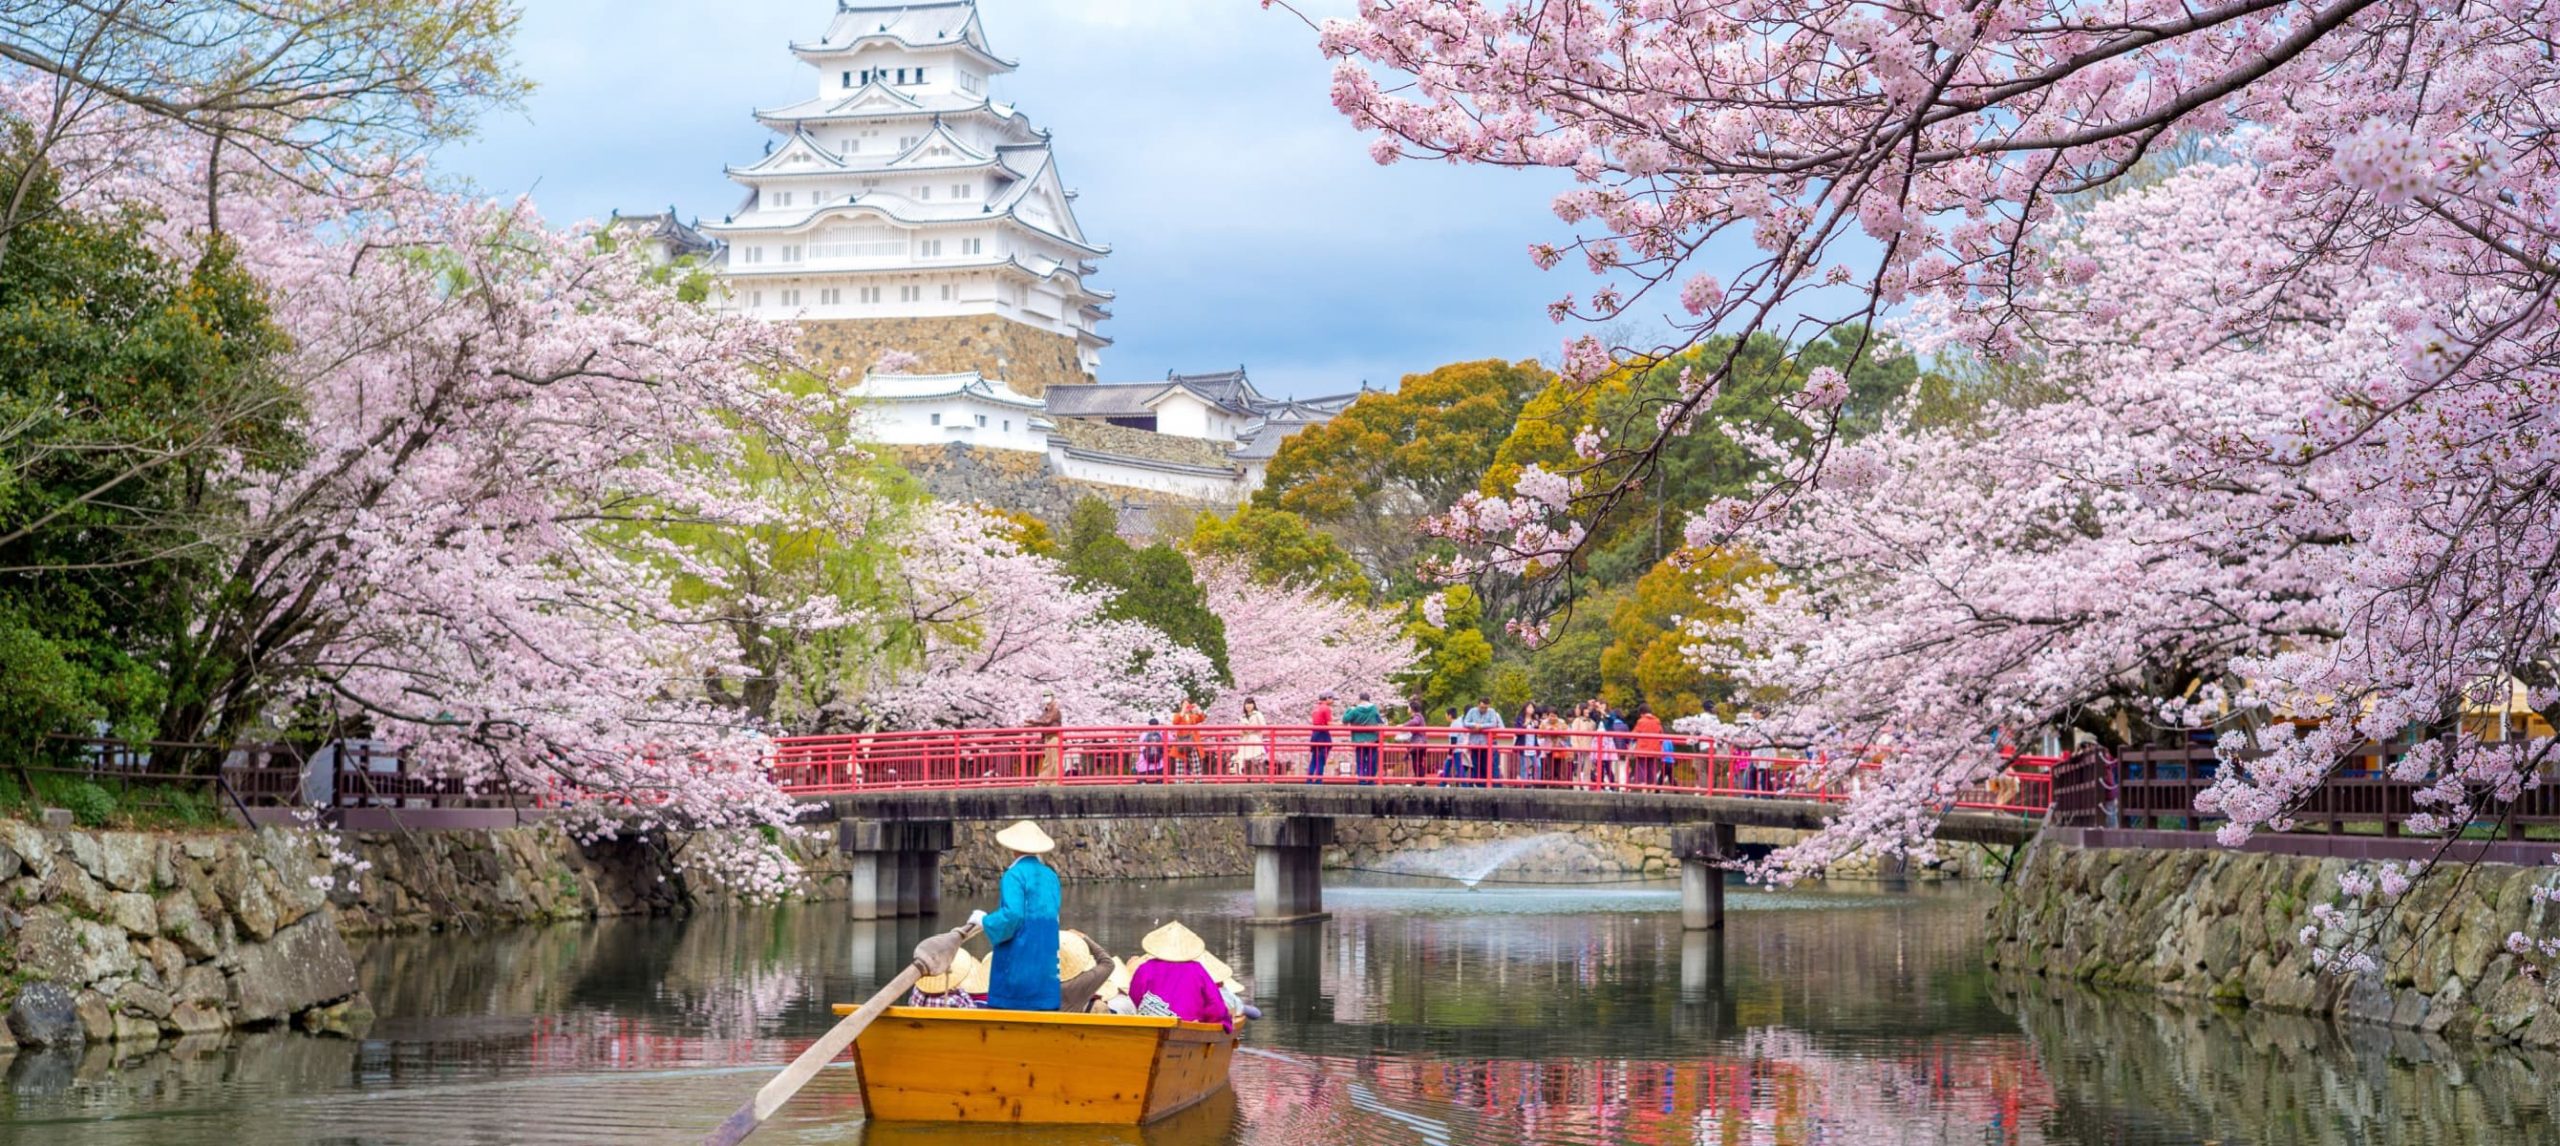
[2207,1072]
[1419,1014]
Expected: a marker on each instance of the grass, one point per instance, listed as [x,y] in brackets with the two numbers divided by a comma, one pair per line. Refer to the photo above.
[111,801]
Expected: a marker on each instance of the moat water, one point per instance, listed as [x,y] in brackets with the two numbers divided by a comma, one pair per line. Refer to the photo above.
[1422,1013]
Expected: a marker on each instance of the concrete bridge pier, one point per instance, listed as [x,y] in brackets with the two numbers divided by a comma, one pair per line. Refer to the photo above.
[1701,849]
[1288,867]
[896,866]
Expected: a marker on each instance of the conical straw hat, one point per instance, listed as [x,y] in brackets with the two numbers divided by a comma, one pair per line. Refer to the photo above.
[980,976]
[1075,956]
[1027,838]
[962,965]
[1173,943]
[1219,972]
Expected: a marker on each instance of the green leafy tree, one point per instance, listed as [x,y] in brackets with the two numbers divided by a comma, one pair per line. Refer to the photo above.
[1092,550]
[1565,669]
[130,388]
[1372,474]
[1647,659]
[1510,689]
[1707,463]
[1157,586]
[1280,548]
[1456,659]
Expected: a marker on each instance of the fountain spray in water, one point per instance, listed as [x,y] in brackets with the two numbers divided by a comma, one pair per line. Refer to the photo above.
[1471,864]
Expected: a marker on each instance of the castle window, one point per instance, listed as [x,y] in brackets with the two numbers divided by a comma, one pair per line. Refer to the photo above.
[973,246]
[960,190]
[950,292]
[871,294]
[929,248]
[910,294]
[791,298]
[924,192]
[902,75]
[937,419]
[755,254]
[982,421]
[791,253]
[919,75]
[848,79]
[1008,425]
[830,296]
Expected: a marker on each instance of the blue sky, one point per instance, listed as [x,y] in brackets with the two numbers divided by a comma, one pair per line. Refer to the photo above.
[1247,222]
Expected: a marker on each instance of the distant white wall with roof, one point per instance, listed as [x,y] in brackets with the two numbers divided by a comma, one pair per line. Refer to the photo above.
[933,423]
[1183,413]
[1191,482]
[935,410]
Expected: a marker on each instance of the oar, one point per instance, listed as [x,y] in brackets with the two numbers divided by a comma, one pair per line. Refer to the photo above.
[811,1061]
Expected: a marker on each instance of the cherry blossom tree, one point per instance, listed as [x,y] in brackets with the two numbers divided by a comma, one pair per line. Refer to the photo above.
[1289,643]
[993,628]
[1927,152]
[2194,519]
[330,96]
[2352,507]
[471,553]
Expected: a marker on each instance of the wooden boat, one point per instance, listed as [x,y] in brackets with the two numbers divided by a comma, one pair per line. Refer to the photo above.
[928,1064]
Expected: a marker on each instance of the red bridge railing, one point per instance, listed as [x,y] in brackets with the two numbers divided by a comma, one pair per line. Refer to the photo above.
[1400,755]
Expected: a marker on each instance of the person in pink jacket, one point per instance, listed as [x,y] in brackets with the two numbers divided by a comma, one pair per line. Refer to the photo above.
[1172,982]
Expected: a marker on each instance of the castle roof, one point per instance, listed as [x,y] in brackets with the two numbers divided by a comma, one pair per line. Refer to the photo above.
[1118,400]
[910,24]
[877,100]
[929,387]
[665,228]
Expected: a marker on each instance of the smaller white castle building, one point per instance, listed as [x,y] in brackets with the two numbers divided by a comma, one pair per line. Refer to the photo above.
[1206,437]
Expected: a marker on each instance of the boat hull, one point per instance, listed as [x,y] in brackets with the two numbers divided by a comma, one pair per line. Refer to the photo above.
[941,1065]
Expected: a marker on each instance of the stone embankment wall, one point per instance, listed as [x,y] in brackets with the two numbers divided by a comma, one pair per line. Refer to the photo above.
[123,936]
[2225,926]
[1028,359]
[1022,482]
[128,936]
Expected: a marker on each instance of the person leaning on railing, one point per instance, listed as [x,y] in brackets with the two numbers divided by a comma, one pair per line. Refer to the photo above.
[1364,720]
[1254,747]
[1417,734]
[1051,722]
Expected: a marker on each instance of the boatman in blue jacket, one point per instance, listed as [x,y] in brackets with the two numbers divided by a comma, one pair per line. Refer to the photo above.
[1024,925]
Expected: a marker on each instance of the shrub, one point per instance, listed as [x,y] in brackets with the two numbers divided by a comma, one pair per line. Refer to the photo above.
[90,804]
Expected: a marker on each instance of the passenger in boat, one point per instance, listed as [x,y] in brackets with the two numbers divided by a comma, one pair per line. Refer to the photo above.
[1229,988]
[1173,983]
[1024,925]
[946,989]
[1079,972]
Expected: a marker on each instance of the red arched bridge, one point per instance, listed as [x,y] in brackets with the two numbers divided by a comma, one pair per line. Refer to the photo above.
[896,794]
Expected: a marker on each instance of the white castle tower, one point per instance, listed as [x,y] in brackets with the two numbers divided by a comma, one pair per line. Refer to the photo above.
[901,208]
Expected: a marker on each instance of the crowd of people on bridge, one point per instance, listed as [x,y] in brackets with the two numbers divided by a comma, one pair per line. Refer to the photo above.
[1592,744]
[1361,740]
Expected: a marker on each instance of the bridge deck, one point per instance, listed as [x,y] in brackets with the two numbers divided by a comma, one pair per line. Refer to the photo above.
[1526,805]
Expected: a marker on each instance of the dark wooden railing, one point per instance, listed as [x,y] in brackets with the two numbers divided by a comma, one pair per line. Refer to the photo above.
[2151,786]
[264,775]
